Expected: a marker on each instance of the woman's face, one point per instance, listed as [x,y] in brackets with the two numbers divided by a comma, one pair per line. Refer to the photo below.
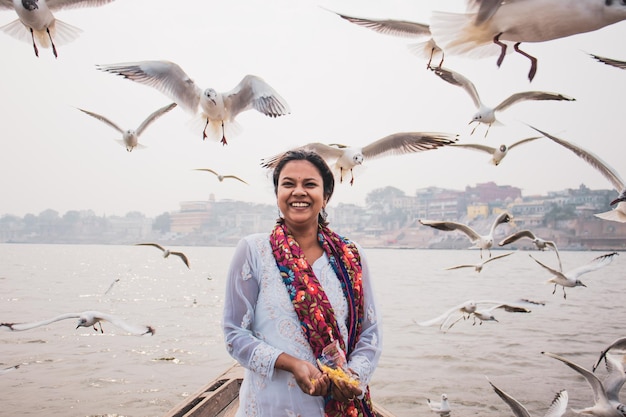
[300,193]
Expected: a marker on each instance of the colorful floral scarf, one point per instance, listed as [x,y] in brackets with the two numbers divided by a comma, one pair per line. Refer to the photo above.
[317,317]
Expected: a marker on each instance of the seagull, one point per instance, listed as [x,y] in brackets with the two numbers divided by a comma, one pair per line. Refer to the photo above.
[37,24]
[479,266]
[167,252]
[111,286]
[130,137]
[618,214]
[345,158]
[402,28]
[220,177]
[85,319]
[442,408]
[469,308]
[540,243]
[609,61]
[497,154]
[619,343]
[478,241]
[496,22]
[557,407]
[486,114]
[605,395]
[570,278]
[217,110]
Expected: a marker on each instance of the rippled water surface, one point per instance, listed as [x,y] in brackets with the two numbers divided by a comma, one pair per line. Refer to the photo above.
[80,372]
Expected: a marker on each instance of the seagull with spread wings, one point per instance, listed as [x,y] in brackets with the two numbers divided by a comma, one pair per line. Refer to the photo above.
[539,243]
[130,137]
[85,319]
[167,252]
[219,176]
[497,154]
[478,267]
[557,407]
[346,158]
[217,110]
[486,114]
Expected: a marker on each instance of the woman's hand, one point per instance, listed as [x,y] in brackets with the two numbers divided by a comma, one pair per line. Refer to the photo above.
[308,377]
[342,391]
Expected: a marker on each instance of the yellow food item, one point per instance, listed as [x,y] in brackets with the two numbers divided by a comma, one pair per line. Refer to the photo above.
[338,375]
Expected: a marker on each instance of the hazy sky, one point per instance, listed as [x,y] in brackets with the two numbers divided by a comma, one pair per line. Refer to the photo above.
[344,83]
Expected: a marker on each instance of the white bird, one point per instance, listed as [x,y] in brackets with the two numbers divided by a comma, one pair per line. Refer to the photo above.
[605,397]
[130,137]
[619,344]
[540,243]
[217,110]
[167,252]
[37,24]
[495,22]
[570,278]
[442,408]
[402,28]
[478,241]
[85,319]
[479,266]
[557,407]
[609,61]
[220,177]
[345,158]
[497,154]
[486,114]
[618,214]
[468,309]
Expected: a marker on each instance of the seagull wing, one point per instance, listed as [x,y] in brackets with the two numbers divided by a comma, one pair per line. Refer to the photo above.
[6,5]
[165,76]
[118,322]
[156,245]
[599,394]
[32,325]
[325,151]
[253,92]
[596,263]
[443,317]
[486,9]
[207,170]
[448,226]
[73,4]
[475,146]
[559,404]
[531,95]
[609,61]
[103,119]
[493,258]
[459,80]
[460,266]
[235,178]
[616,377]
[619,343]
[183,257]
[516,236]
[407,142]
[608,172]
[519,142]
[518,409]
[392,27]
[155,115]
[551,270]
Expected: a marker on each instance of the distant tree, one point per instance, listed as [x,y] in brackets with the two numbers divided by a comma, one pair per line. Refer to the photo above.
[135,215]
[380,195]
[162,223]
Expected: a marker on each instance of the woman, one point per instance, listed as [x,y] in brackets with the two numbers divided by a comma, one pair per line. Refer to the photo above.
[295,291]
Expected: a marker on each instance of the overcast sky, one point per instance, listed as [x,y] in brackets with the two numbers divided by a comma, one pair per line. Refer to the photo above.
[344,83]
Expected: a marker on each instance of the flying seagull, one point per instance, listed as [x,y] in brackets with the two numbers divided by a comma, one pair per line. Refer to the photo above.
[85,319]
[619,344]
[557,407]
[479,241]
[497,154]
[540,243]
[220,177]
[167,252]
[217,110]
[486,114]
[570,278]
[130,137]
[37,24]
[345,158]
[618,214]
[479,266]
[495,22]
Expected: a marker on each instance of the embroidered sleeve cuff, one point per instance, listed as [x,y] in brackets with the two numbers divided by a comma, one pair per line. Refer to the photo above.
[263,360]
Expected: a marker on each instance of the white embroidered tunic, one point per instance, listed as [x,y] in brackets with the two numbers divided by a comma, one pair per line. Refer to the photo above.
[260,323]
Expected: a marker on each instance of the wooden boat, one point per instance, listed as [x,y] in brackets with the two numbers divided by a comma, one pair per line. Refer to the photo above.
[220,398]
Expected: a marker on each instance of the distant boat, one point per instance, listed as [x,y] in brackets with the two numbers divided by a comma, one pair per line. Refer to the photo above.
[220,398]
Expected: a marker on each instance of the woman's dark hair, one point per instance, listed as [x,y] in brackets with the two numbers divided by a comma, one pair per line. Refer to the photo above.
[313,157]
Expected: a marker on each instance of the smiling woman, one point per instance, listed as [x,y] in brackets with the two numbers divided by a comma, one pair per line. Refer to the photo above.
[297,294]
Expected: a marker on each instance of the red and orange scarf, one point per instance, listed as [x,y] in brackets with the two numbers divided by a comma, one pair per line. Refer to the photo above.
[316,315]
